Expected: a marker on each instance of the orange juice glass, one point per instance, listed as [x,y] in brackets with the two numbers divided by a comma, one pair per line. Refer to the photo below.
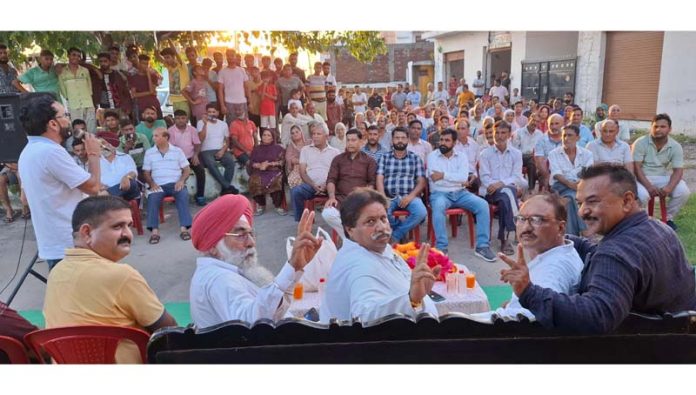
[470,280]
[298,292]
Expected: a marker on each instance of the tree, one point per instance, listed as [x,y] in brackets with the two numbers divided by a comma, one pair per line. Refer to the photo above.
[363,45]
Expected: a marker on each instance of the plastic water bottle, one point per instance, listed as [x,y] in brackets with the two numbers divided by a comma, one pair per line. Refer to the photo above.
[461,282]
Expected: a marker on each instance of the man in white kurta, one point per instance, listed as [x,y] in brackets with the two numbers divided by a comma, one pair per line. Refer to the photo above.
[554,261]
[368,280]
[228,283]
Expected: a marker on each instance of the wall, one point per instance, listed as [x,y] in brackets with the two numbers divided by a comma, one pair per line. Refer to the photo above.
[385,68]
[550,45]
[589,75]
[471,43]
[677,90]
[518,53]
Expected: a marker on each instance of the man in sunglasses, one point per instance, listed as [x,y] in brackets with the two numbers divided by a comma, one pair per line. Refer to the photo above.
[229,283]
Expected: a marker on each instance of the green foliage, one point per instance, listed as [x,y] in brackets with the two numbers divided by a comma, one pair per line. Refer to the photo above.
[364,45]
[687,228]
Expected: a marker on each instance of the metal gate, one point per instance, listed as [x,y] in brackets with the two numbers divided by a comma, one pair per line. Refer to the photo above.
[543,80]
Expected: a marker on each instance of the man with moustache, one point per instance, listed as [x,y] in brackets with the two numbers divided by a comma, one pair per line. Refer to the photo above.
[229,283]
[543,148]
[401,177]
[51,179]
[638,266]
[553,262]
[368,280]
[91,286]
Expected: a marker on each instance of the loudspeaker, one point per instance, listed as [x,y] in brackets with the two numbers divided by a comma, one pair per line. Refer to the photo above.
[12,136]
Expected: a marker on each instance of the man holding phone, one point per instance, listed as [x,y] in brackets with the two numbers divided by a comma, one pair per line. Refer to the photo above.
[134,144]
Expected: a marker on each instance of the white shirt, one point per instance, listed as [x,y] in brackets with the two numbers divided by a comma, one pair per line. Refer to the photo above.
[455,168]
[362,97]
[504,166]
[620,153]
[478,85]
[440,95]
[499,91]
[318,161]
[219,294]
[422,148]
[50,178]
[560,163]
[368,285]
[233,81]
[166,169]
[330,80]
[471,149]
[215,135]
[475,127]
[558,269]
[111,173]
[525,141]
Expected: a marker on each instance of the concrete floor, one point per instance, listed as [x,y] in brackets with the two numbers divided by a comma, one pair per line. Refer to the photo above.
[169,265]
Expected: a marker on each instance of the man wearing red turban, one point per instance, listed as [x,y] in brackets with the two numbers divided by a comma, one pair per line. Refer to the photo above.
[229,283]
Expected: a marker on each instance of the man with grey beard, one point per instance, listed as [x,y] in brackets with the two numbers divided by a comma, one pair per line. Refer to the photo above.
[229,283]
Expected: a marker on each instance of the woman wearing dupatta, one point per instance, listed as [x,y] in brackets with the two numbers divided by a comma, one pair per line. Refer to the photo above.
[266,173]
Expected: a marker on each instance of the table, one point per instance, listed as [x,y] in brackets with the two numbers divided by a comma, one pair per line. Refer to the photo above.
[471,301]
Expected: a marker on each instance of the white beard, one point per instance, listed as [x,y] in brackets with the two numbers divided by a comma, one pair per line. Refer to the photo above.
[247,263]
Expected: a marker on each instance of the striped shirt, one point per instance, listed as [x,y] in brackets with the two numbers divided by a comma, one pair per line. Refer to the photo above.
[165,168]
[400,175]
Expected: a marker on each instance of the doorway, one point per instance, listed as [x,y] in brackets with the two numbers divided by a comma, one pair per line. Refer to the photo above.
[499,60]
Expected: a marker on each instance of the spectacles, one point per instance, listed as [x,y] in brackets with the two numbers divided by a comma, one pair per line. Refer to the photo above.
[242,236]
[534,220]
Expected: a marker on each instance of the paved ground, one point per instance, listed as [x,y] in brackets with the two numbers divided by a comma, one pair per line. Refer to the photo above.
[169,265]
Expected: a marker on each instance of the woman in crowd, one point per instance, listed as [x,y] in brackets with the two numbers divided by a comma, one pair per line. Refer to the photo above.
[292,156]
[266,173]
[338,140]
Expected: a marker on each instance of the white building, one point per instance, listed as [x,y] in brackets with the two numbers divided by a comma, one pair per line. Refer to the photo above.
[644,72]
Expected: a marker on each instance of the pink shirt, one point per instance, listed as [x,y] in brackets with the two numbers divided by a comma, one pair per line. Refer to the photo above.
[184,140]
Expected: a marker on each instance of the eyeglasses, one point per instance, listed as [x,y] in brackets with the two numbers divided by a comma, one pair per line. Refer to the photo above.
[534,220]
[242,236]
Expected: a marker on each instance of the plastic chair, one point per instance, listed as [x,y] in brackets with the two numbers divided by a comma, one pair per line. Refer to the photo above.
[414,233]
[14,350]
[168,199]
[86,344]
[311,204]
[135,213]
[663,207]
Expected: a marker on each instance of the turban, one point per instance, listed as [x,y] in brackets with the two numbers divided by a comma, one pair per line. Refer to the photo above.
[218,218]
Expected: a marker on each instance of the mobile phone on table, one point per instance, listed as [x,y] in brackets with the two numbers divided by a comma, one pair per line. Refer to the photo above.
[312,315]
[436,297]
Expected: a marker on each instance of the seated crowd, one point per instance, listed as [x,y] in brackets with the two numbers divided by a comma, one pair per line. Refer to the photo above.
[363,159]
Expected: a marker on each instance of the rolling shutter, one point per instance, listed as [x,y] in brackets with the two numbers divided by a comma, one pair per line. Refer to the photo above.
[632,73]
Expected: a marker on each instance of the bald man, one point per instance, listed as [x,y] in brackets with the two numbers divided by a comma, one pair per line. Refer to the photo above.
[229,283]
[544,146]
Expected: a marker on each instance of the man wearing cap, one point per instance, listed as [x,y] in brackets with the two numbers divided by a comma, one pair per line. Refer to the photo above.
[229,283]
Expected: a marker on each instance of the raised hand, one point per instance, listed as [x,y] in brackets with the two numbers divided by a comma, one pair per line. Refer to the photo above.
[518,273]
[306,245]
[423,277]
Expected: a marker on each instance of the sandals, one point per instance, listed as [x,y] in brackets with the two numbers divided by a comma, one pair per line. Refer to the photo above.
[9,220]
[154,239]
[26,215]
[185,235]
[260,210]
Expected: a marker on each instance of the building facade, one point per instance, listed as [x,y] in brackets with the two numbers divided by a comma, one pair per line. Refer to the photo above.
[643,72]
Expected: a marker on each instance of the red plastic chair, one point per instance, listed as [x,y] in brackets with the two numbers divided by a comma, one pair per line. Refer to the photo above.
[413,234]
[311,205]
[14,350]
[663,207]
[86,344]
[168,199]
[450,213]
[135,213]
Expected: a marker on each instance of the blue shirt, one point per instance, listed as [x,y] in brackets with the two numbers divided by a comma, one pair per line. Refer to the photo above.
[414,97]
[638,266]
[585,136]
[377,154]
[545,145]
[400,175]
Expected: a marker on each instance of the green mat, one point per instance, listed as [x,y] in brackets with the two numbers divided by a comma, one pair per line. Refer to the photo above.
[497,294]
